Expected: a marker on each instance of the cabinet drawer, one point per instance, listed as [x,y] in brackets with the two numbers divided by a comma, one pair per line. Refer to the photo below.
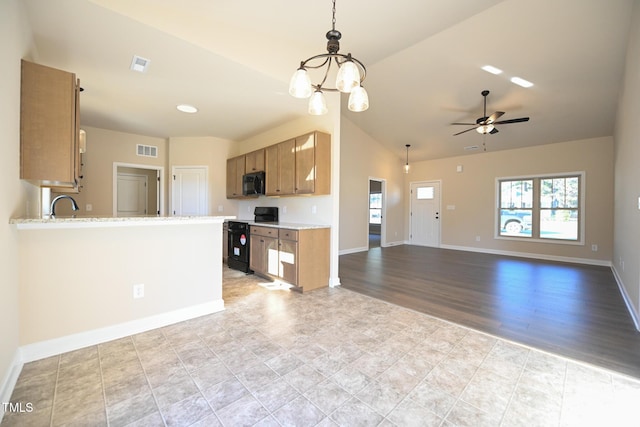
[286,234]
[264,231]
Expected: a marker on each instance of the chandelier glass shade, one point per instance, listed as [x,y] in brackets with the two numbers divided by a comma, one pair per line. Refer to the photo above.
[349,77]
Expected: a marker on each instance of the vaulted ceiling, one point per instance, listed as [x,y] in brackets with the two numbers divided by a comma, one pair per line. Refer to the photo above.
[233,60]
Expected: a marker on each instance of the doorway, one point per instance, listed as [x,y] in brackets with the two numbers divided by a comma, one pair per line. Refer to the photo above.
[425,213]
[376,220]
[137,190]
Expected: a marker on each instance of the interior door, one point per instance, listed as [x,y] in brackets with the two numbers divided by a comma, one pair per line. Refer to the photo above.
[132,195]
[425,213]
[189,191]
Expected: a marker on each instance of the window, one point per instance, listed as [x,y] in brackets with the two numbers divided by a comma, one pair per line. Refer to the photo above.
[547,208]
[375,208]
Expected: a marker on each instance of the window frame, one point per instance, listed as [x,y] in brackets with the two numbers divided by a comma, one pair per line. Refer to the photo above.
[375,209]
[537,209]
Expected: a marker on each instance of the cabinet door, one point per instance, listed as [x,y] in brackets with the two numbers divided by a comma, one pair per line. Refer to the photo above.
[254,161]
[287,166]
[288,266]
[272,171]
[235,171]
[305,168]
[271,255]
[256,254]
[49,126]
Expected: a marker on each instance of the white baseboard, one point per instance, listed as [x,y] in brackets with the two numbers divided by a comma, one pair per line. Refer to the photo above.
[587,261]
[10,379]
[627,300]
[43,349]
[353,250]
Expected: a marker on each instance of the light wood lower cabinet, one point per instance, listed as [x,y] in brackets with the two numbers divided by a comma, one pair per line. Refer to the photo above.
[298,257]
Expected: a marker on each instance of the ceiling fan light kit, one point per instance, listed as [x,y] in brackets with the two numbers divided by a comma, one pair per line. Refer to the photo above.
[351,74]
[486,124]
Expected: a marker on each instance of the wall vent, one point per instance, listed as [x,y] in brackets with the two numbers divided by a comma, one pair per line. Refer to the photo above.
[147,150]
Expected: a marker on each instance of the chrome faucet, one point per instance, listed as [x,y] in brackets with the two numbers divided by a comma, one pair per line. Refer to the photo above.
[74,205]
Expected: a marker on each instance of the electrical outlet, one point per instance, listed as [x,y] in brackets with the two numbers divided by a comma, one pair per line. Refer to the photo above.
[477,238]
[314,209]
[284,209]
[88,207]
[138,291]
[220,208]
[594,248]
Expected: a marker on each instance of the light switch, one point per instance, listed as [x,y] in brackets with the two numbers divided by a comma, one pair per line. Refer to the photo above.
[459,168]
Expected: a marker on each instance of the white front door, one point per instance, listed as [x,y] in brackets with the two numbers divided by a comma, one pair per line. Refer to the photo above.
[132,195]
[425,213]
[189,191]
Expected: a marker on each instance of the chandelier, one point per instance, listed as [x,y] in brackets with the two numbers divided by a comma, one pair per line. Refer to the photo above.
[351,73]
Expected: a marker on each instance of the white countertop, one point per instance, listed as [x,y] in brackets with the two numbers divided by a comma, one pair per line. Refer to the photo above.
[109,221]
[289,225]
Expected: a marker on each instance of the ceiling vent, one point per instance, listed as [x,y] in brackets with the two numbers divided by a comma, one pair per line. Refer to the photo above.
[139,64]
[146,150]
[471,148]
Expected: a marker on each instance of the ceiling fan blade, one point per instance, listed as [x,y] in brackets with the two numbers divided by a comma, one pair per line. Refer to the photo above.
[494,130]
[464,131]
[495,116]
[504,122]
[466,124]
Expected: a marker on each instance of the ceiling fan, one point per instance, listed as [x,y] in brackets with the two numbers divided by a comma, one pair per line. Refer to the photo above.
[486,124]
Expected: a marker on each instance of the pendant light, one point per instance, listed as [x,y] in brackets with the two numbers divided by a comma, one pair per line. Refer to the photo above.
[351,74]
[406,165]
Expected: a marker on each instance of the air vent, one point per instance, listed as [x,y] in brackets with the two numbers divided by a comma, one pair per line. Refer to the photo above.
[471,148]
[139,64]
[147,150]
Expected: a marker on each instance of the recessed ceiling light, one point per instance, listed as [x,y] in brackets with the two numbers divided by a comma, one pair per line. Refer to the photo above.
[521,82]
[139,64]
[491,69]
[185,108]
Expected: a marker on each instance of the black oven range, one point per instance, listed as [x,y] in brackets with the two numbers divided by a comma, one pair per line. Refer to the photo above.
[239,242]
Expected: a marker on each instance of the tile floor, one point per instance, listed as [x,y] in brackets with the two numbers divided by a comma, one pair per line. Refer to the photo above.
[328,357]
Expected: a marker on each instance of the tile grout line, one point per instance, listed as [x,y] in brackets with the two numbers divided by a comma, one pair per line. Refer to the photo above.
[104,393]
[146,377]
[55,391]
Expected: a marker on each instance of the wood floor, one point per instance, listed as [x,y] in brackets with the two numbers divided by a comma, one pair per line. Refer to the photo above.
[568,309]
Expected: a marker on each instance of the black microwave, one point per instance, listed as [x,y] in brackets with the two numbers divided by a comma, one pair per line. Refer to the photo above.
[253,184]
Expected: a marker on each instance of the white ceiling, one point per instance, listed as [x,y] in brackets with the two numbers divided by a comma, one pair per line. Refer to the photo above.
[233,60]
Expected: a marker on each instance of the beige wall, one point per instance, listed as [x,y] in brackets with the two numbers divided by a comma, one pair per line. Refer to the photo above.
[626,251]
[213,153]
[104,147]
[473,193]
[362,158]
[18,198]
[75,280]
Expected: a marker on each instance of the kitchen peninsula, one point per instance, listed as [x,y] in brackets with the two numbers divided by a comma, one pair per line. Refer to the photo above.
[90,280]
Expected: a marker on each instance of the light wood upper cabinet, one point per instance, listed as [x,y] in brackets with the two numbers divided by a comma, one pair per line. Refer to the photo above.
[254,161]
[235,171]
[49,126]
[297,166]
[313,164]
[280,168]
